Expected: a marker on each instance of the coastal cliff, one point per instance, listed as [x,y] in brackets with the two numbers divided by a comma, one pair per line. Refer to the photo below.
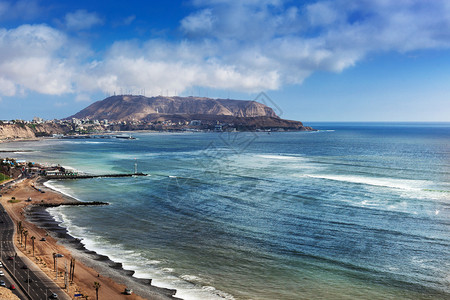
[31,131]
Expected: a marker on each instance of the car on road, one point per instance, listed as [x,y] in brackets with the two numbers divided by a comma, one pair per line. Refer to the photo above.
[128,291]
[1,273]
[1,265]
[43,239]
[29,280]
[53,296]
[10,257]
[12,286]
[24,267]
[2,283]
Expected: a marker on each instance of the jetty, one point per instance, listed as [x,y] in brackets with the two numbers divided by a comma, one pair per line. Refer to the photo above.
[86,176]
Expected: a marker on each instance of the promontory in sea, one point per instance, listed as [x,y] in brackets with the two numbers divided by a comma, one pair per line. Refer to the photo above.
[140,112]
[133,112]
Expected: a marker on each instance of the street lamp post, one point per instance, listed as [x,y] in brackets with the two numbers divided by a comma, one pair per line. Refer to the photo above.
[56,266]
[56,263]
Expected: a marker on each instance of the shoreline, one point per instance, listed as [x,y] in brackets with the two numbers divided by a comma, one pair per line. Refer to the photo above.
[103,264]
[94,259]
[90,265]
[173,130]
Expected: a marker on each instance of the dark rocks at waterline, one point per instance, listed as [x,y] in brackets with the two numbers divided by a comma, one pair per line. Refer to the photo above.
[42,218]
[78,203]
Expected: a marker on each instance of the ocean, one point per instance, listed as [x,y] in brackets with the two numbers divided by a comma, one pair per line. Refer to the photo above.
[352,211]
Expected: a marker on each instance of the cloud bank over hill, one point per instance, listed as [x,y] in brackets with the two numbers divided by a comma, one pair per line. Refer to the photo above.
[236,45]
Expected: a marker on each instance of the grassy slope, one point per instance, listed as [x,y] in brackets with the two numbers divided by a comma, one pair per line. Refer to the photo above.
[3,177]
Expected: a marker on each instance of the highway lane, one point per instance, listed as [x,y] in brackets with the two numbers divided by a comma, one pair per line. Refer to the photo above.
[8,281]
[6,243]
[33,282]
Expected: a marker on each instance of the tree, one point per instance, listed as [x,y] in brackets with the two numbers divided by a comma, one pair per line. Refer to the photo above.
[32,242]
[25,233]
[21,230]
[54,261]
[97,285]
[72,269]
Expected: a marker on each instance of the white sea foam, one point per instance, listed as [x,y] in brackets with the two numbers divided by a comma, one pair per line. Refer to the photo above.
[74,141]
[403,184]
[280,157]
[169,270]
[188,286]
[132,156]
[191,278]
[91,142]
[61,189]
[70,168]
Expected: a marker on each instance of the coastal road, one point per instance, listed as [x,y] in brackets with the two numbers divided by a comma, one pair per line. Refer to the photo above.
[30,280]
[6,235]
[9,281]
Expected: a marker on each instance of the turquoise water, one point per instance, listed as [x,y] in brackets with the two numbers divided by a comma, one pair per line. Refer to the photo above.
[352,211]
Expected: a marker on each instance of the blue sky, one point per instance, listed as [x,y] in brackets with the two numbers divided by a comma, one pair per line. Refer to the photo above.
[365,60]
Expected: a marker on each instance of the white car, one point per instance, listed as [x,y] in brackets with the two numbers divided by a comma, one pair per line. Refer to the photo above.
[1,265]
[1,273]
[128,291]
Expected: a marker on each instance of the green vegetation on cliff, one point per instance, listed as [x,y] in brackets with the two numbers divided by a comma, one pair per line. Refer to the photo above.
[3,177]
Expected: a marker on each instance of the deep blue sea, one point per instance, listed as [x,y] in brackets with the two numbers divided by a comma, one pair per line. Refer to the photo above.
[353,211]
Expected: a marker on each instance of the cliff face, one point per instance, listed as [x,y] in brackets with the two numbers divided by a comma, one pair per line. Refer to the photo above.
[30,131]
[12,131]
[125,108]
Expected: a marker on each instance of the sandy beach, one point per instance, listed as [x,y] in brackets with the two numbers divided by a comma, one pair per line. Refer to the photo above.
[85,275]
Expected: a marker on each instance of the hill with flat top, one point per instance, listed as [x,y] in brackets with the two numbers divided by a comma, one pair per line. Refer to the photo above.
[249,115]
[127,108]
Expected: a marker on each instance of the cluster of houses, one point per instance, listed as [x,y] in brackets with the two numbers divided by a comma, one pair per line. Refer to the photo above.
[32,169]
[87,126]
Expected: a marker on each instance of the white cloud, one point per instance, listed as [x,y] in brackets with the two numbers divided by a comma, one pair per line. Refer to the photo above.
[241,45]
[82,20]
[263,36]
[158,65]
[7,87]
[32,59]
[82,98]
[321,13]
[199,22]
